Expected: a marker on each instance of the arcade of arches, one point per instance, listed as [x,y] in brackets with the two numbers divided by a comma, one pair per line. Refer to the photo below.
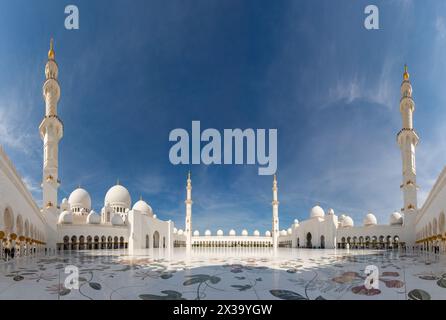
[20,234]
[368,242]
[92,243]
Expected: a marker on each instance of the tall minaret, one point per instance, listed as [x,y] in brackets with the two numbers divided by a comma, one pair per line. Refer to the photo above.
[188,202]
[51,131]
[408,140]
[275,204]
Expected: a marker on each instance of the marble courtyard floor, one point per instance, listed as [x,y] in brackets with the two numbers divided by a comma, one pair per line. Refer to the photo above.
[223,273]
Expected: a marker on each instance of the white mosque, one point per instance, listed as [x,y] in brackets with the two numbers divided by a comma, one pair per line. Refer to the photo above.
[74,225]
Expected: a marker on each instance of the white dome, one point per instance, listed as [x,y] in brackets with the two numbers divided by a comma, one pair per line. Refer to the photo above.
[396,218]
[289,231]
[232,232]
[64,205]
[118,196]
[283,233]
[370,220]
[80,198]
[154,216]
[117,220]
[256,233]
[196,233]
[175,230]
[330,211]
[317,212]
[342,217]
[93,218]
[296,221]
[180,232]
[207,233]
[244,232]
[65,217]
[143,207]
[220,233]
[268,233]
[347,222]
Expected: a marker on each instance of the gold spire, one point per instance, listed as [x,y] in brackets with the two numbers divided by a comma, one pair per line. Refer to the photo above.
[406,73]
[51,53]
[117,182]
[188,175]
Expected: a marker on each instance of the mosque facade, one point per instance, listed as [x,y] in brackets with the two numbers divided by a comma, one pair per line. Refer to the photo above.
[73,224]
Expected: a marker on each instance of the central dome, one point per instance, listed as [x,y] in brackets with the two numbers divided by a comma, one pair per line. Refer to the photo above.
[118,196]
[317,212]
[80,198]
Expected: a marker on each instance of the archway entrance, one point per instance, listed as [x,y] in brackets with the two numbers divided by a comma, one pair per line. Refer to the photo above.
[322,242]
[309,244]
[156,239]
[147,241]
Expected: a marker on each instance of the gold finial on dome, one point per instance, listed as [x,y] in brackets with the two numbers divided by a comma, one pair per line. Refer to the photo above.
[406,73]
[51,53]
[188,175]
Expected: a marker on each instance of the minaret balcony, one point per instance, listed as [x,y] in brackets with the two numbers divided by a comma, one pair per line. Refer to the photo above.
[407,97]
[405,132]
[51,119]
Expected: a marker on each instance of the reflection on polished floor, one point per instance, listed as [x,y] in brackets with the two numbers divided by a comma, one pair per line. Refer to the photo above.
[227,273]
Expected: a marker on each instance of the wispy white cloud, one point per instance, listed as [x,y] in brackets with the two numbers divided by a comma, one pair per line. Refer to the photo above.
[440,27]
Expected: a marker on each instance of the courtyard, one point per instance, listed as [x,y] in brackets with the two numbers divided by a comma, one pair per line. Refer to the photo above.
[226,273]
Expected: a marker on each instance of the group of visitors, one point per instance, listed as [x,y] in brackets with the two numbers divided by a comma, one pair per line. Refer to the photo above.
[12,249]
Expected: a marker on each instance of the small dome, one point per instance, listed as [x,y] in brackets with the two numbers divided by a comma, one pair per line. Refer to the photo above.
[220,233]
[196,233]
[330,211]
[296,222]
[283,233]
[268,233]
[64,206]
[180,232]
[317,212]
[80,198]
[244,232]
[232,232]
[65,217]
[154,216]
[207,233]
[143,207]
[347,222]
[396,219]
[256,233]
[93,218]
[370,220]
[117,220]
[118,196]
[175,230]
[289,231]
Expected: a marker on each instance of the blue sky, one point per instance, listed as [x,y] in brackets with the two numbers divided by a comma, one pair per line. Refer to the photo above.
[135,70]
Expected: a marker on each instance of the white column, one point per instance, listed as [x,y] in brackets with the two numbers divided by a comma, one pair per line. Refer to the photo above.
[275,222]
[188,202]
